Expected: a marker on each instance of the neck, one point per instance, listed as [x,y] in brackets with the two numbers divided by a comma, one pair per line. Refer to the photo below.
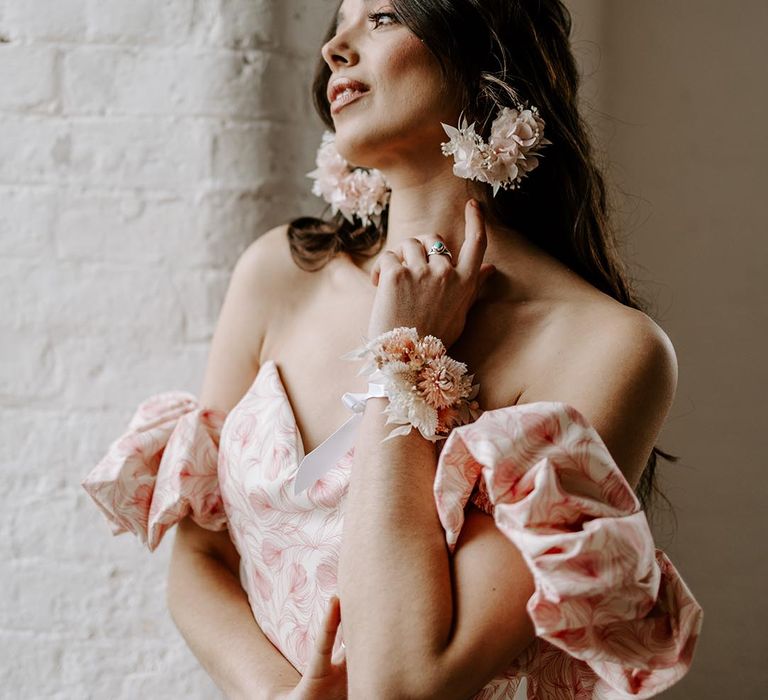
[431,200]
[426,200]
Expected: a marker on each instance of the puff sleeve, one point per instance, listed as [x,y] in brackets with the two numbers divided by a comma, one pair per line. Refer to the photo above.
[610,606]
[163,467]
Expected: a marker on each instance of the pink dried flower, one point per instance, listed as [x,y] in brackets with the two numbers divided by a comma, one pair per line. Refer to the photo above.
[430,347]
[440,382]
[399,343]
[510,153]
[355,192]
[426,388]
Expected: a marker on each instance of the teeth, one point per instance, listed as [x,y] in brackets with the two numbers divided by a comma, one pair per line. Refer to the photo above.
[346,92]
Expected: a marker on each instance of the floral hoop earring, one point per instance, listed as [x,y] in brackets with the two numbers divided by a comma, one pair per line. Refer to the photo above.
[511,152]
[355,192]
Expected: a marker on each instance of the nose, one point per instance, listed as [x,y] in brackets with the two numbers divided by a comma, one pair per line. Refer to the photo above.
[337,51]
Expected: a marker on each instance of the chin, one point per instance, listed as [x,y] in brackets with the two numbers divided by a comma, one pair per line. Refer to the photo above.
[358,146]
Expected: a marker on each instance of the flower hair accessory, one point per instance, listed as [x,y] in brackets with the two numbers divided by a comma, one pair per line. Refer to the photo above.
[427,389]
[508,156]
[355,192]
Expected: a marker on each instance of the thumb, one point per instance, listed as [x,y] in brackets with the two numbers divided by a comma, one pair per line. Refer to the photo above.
[320,662]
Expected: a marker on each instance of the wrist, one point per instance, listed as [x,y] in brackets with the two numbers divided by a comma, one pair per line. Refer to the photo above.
[426,388]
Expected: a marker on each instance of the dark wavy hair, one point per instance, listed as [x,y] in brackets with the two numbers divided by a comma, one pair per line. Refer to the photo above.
[496,53]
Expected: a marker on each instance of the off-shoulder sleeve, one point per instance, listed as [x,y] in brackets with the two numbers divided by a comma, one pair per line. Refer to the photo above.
[163,467]
[603,593]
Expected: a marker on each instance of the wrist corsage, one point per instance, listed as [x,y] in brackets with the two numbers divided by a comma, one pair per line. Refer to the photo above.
[427,389]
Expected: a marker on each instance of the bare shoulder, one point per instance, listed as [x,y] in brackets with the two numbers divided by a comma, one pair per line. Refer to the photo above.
[631,331]
[618,368]
[267,262]
[268,276]
[257,290]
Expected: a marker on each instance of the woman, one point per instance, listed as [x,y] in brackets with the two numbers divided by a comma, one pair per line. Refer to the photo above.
[429,571]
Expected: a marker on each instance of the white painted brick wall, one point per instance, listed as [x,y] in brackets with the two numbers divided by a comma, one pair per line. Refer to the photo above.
[143,145]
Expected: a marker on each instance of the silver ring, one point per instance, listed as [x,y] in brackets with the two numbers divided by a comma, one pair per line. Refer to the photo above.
[438,248]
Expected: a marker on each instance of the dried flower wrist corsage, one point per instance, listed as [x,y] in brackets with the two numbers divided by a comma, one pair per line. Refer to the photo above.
[427,389]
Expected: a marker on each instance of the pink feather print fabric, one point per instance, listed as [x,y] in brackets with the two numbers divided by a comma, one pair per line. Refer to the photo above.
[609,608]
[613,617]
[161,469]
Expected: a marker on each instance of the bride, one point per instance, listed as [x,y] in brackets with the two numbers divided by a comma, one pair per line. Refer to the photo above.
[466,204]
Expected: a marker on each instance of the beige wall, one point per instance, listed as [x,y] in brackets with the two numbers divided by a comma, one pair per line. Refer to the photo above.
[683,88]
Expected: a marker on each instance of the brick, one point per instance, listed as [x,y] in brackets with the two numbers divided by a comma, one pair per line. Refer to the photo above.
[27,365]
[26,221]
[200,293]
[104,152]
[88,301]
[271,157]
[303,27]
[125,227]
[145,145]
[230,220]
[139,22]
[240,24]
[118,374]
[29,658]
[28,78]
[63,20]
[249,85]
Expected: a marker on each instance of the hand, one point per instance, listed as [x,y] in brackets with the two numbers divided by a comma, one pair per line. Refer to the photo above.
[324,678]
[429,292]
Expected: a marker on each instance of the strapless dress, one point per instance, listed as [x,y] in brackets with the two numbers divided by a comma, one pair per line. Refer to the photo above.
[612,615]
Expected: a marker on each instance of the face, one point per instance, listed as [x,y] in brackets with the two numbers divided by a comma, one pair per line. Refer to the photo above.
[398,115]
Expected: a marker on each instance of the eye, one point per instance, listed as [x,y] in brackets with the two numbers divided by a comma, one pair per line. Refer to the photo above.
[375,16]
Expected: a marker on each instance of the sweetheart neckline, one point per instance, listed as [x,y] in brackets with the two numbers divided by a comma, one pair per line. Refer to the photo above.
[298,436]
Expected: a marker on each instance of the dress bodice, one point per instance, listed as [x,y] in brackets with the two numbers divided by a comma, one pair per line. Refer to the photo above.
[613,618]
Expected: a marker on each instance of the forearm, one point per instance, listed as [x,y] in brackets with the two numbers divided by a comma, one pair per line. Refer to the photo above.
[394,568]
[211,610]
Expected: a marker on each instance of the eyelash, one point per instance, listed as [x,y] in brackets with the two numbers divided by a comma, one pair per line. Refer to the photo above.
[373,17]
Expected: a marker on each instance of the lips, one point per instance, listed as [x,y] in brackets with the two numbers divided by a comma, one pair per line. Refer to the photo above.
[341,85]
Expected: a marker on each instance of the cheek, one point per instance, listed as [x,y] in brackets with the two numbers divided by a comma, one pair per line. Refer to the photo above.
[412,72]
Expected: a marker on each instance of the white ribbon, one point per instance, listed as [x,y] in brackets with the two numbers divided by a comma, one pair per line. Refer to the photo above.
[330,451]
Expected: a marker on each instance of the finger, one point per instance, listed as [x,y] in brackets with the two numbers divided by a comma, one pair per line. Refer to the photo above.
[388,260]
[475,240]
[326,636]
[413,252]
[340,657]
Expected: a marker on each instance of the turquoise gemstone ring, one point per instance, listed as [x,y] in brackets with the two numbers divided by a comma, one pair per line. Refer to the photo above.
[438,248]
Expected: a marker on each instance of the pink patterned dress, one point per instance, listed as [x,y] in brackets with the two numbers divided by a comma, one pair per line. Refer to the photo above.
[613,617]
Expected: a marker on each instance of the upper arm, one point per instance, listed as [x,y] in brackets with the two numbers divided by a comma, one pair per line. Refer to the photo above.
[622,378]
[492,585]
[623,384]
[233,358]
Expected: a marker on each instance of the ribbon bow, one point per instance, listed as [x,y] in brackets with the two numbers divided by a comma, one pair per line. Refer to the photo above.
[326,454]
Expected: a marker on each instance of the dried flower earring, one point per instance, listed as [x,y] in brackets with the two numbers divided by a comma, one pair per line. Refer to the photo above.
[510,153]
[355,192]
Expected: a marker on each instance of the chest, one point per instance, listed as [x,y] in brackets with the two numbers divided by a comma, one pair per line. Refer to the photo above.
[307,345]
